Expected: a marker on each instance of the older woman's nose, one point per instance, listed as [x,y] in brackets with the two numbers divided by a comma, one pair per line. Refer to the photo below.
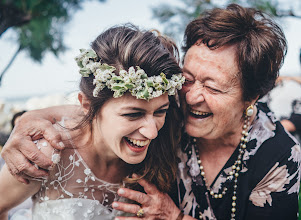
[195,95]
[149,128]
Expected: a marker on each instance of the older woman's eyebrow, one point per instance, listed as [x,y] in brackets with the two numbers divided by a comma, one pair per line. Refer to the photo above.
[186,70]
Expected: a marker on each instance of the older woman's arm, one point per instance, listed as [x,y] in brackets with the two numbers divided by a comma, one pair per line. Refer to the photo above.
[20,152]
[155,204]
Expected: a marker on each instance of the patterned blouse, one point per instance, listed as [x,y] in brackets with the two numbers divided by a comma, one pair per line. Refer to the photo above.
[268,182]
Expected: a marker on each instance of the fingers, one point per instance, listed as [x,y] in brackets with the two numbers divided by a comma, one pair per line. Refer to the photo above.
[149,188]
[18,163]
[139,197]
[23,178]
[126,207]
[20,152]
[45,129]
[32,153]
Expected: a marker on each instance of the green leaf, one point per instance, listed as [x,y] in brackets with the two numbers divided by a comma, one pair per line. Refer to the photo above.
[150,83]
[84,72]
[129,85]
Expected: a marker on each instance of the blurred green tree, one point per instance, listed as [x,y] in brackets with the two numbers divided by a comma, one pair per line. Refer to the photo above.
[176,17]
[38,25]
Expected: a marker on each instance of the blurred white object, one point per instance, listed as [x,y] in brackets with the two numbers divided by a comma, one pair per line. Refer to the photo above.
[51,100]
[282,97]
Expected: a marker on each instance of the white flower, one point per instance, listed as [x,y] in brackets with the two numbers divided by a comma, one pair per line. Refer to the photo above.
[85,61]
[132,71]
[126,79]
[158,79]
[140,72]
[122,73]
[135,78]
[56,158]
[87,171]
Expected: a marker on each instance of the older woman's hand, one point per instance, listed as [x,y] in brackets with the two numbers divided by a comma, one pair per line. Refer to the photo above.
[155,204]
[20,152]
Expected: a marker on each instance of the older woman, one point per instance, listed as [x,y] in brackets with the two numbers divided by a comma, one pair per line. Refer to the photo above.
[241,163]
[236,160]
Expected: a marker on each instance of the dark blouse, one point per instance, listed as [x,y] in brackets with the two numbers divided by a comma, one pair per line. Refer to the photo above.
[268,183]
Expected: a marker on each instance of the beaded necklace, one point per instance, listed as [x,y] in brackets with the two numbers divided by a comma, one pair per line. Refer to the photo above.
[236,167]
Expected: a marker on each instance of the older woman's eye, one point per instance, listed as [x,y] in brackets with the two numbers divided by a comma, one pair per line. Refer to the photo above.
[188,79]
[213,90]
[187,82]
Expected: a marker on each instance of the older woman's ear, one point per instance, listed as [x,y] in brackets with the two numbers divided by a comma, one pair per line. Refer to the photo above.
[251,102]
[84,102]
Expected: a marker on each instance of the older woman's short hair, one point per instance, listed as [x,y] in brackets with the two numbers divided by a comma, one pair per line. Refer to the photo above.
[261,44]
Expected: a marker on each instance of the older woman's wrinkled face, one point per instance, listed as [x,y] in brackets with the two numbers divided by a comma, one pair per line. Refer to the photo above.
[212,95]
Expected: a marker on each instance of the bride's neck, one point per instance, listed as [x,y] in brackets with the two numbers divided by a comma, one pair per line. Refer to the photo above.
[103,162]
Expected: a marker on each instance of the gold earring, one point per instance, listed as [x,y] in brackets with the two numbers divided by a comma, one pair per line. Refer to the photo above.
[249,111]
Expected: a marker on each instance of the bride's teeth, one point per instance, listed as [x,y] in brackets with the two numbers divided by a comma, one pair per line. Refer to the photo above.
[139,143]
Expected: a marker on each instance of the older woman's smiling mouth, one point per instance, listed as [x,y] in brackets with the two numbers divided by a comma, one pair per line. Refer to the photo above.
[199,114]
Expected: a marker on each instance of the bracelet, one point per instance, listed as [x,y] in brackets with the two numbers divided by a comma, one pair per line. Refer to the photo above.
[180,216]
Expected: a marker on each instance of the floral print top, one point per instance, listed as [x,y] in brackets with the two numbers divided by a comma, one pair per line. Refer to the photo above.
[268,183]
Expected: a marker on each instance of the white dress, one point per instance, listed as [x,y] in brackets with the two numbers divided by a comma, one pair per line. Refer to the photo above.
[73,192]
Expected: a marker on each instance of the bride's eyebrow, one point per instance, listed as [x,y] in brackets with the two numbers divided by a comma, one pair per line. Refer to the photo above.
[143,109]
[165,105]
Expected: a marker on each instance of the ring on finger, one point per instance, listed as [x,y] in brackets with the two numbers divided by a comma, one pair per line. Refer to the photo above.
[140,213]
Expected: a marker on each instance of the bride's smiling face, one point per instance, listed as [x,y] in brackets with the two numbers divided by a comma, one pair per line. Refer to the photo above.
[125,126]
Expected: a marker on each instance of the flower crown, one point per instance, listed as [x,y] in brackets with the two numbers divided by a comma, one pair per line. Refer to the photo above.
[134,80]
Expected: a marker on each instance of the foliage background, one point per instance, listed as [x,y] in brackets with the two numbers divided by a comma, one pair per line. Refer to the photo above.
[59,75]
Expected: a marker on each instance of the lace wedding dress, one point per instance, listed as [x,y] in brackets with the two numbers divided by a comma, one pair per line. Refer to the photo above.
[73,192]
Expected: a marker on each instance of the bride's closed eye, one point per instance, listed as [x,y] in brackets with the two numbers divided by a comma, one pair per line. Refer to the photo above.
[133,115]
[160,112]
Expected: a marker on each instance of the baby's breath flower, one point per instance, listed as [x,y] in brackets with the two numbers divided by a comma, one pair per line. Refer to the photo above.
[135,80]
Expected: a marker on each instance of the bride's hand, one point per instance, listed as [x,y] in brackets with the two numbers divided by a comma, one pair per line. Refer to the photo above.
[155,204]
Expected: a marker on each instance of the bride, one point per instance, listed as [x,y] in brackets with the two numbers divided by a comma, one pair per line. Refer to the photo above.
[125,132]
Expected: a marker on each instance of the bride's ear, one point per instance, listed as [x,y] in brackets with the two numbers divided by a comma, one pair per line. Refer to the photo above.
[84,102]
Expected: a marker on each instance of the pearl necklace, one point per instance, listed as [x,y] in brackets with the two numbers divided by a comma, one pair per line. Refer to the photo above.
[236,168]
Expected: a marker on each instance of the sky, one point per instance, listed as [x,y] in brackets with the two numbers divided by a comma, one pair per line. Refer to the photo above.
[26,78]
